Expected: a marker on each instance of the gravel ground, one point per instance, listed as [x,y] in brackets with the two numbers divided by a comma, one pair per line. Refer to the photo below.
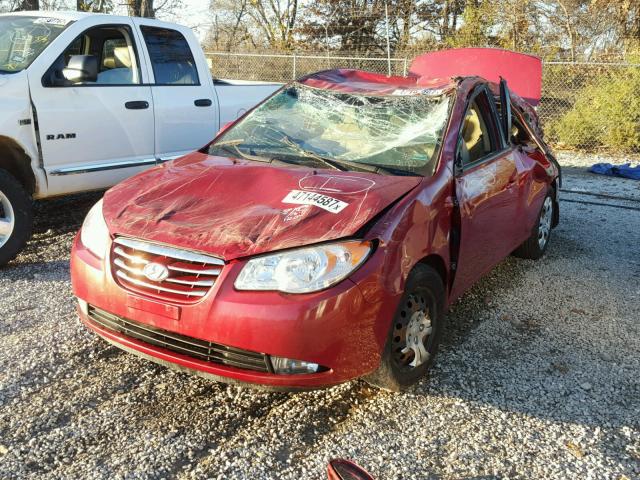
[538,376]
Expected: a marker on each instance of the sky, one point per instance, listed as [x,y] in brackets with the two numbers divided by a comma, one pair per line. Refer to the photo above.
[193,14]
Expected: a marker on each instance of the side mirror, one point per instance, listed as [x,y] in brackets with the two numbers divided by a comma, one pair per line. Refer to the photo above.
[81,68]
[340,469]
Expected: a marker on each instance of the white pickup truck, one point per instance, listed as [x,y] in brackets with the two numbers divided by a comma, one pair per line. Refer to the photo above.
[87,100]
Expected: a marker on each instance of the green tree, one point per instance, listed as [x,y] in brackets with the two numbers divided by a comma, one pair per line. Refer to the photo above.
[605,113]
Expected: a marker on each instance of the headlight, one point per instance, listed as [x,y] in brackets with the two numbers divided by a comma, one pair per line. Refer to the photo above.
[95,234]
[303,270]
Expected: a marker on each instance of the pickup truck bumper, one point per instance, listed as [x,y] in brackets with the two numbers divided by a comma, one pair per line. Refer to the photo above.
[337,329]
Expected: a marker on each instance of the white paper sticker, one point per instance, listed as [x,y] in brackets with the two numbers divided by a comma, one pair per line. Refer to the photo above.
[51,21]
[325,202]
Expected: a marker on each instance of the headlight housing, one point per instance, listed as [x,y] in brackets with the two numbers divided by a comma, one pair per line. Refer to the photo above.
[94,234]
[304,270]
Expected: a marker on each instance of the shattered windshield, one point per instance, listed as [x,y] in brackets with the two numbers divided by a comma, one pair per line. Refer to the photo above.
[398,134]
[22,39]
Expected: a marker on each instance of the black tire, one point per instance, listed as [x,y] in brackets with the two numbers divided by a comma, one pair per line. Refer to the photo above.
[22,207]
[394,373]
[532,248]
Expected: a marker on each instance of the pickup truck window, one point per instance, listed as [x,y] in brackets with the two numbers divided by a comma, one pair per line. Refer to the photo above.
[398,133]
[22,39]
[171,57]
[114,50]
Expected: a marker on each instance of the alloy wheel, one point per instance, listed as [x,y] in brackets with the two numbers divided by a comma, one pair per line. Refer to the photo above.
[412,333]
[544,227]
[7,219]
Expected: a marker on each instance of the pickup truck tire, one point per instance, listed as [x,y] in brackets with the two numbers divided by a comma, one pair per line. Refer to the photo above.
[16,214]
[534,247]
[418,320]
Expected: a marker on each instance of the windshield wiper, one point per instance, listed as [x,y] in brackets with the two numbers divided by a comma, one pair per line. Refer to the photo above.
[234,150]
[306,153]
[344,165]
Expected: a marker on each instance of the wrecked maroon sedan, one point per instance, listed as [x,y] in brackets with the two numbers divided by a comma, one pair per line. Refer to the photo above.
[322,236]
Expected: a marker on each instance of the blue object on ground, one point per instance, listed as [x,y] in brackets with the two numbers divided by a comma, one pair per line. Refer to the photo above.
[625,171]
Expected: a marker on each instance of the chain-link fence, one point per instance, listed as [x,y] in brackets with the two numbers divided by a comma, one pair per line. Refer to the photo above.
[580,101]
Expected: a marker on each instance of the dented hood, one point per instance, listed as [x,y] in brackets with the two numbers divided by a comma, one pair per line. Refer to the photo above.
[233,208]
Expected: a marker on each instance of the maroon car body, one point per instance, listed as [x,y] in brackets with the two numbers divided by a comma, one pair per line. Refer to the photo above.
[459,221]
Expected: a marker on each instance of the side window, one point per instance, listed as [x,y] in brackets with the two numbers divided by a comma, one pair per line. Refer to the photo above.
[114,52]
[479,132]
[519,135]
[171,57]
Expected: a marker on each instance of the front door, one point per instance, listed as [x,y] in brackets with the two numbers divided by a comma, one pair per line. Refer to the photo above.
[487,193]
[96,132]
[183,96]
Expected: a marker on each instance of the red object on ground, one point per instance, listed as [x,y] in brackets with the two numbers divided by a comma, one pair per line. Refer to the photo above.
[233,209]
[340,469]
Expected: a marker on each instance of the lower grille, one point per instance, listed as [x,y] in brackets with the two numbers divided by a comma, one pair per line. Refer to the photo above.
[192,347]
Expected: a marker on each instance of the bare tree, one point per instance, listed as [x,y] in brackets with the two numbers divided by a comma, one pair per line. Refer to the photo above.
[277,21]
[231,27]
[29,5]
[141,8]
[9,5]
[98,6]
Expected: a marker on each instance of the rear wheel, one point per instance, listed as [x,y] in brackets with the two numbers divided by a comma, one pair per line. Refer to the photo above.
[414,335]
[535,246]
[16,217]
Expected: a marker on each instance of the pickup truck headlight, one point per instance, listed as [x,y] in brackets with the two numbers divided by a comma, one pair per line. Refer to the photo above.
[303,270]
[95,234]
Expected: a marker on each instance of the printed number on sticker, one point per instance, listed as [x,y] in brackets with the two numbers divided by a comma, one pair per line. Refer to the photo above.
[329,204]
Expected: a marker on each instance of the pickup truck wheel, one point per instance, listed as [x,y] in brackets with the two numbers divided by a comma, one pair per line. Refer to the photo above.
[414,335]
[16,217]
[534,247]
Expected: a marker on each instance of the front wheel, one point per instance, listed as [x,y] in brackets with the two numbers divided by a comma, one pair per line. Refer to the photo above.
[534,247]
[16,217]
[414,335]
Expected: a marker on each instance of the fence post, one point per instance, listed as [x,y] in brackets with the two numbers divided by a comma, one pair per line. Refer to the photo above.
[294,67]
[404,69]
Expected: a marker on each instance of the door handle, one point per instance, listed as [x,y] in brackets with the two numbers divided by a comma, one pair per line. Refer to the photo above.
[203,102]
[137,105]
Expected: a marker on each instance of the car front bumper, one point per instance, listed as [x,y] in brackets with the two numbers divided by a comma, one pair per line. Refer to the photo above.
[337,328]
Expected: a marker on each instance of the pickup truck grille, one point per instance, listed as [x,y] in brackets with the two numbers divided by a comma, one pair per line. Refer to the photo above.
[187,277]
[189,346]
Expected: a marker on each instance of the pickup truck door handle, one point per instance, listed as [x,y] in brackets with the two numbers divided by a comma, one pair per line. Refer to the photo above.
[137,105]
[203,102]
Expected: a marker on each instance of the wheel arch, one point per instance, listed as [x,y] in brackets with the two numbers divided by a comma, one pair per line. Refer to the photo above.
[436,262]
[17,162]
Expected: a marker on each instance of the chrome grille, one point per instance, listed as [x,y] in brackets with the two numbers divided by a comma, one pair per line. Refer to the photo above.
[190,275]
[192,347]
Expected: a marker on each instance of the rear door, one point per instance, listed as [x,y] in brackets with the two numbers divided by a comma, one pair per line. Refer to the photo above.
[186,112]
[487,191]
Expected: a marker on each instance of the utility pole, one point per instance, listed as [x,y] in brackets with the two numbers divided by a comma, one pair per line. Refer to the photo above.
[386,14]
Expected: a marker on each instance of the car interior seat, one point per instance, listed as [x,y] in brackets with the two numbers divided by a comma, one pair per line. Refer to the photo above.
[119,68]
[474,144]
